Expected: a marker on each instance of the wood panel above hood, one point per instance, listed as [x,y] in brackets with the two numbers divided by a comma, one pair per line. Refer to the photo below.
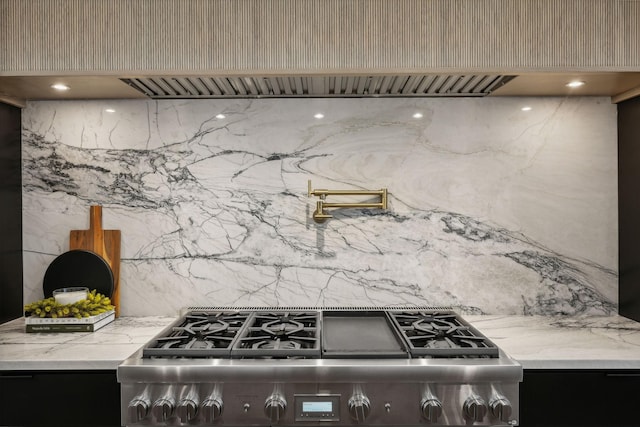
[321,37]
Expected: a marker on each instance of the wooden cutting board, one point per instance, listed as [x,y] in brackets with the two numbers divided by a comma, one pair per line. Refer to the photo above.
[105,243]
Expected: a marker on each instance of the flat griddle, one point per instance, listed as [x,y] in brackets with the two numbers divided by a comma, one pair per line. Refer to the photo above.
[360,334]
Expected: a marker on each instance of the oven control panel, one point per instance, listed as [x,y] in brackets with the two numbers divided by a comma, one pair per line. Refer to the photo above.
[305,404]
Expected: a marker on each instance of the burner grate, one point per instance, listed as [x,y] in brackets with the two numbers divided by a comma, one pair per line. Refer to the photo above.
[280,334]
[442,334]
[198,334]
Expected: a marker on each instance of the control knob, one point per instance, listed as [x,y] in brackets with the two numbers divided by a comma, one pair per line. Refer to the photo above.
[187,409]
[475,408]
[211,409]
[501,408]
[274,407]
[359,407]
[163,408]
[431,409]
[138,409]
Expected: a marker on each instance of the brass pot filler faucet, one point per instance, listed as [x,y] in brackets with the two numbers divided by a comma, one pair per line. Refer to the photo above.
[320,216]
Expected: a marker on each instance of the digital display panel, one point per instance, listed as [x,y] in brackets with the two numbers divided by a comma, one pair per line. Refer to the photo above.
[319,406]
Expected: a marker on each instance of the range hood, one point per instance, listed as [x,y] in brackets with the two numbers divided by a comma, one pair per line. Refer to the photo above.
[421,85]
[17,90]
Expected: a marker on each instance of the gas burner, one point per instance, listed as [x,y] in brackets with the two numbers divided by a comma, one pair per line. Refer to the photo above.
[286,343]
[276,345]
[282,327]
[279,335]
[434,332]
[433,325]
[442,334]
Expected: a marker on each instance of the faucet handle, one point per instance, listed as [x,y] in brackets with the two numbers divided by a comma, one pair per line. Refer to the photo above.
[320,215]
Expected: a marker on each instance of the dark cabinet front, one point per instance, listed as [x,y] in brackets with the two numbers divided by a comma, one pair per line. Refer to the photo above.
[10,214]
[59,398]
[629,207]
[586,398]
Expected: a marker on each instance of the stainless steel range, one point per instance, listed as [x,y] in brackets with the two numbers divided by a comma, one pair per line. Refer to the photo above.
[309,366]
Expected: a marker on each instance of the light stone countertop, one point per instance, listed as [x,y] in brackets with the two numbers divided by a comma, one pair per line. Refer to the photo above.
[542,342]
[104,349]
[537,342]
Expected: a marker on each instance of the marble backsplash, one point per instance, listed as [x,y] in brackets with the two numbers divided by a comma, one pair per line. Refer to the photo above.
[491,209]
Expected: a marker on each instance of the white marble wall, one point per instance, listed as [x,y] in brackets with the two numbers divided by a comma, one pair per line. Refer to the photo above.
[492,209]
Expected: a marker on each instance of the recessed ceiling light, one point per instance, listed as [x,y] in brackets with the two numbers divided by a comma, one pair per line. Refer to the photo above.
[417,115]
[527,108]
[220,116]
[575,83]
[60,86]
[318,116]
[110,110]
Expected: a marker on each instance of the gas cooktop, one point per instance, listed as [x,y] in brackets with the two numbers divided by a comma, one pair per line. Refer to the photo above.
[320,333]
[310,366]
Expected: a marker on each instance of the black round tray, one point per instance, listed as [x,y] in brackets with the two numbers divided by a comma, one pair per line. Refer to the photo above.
[78,268]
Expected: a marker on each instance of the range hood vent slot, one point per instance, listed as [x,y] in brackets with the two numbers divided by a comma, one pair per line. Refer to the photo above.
[426,85]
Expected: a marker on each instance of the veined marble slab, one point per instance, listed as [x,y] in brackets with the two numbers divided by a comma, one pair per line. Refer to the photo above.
[491,209]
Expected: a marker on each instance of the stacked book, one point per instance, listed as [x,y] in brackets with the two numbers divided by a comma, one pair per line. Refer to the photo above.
[69,324]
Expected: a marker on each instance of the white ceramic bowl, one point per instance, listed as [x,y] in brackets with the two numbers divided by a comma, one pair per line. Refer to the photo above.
[70,295]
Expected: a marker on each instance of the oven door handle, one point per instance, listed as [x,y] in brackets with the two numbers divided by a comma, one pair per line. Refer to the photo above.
[15,377]
[622,374]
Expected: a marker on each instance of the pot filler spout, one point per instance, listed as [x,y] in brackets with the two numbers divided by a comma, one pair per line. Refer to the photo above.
[320,215]
[320,366]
